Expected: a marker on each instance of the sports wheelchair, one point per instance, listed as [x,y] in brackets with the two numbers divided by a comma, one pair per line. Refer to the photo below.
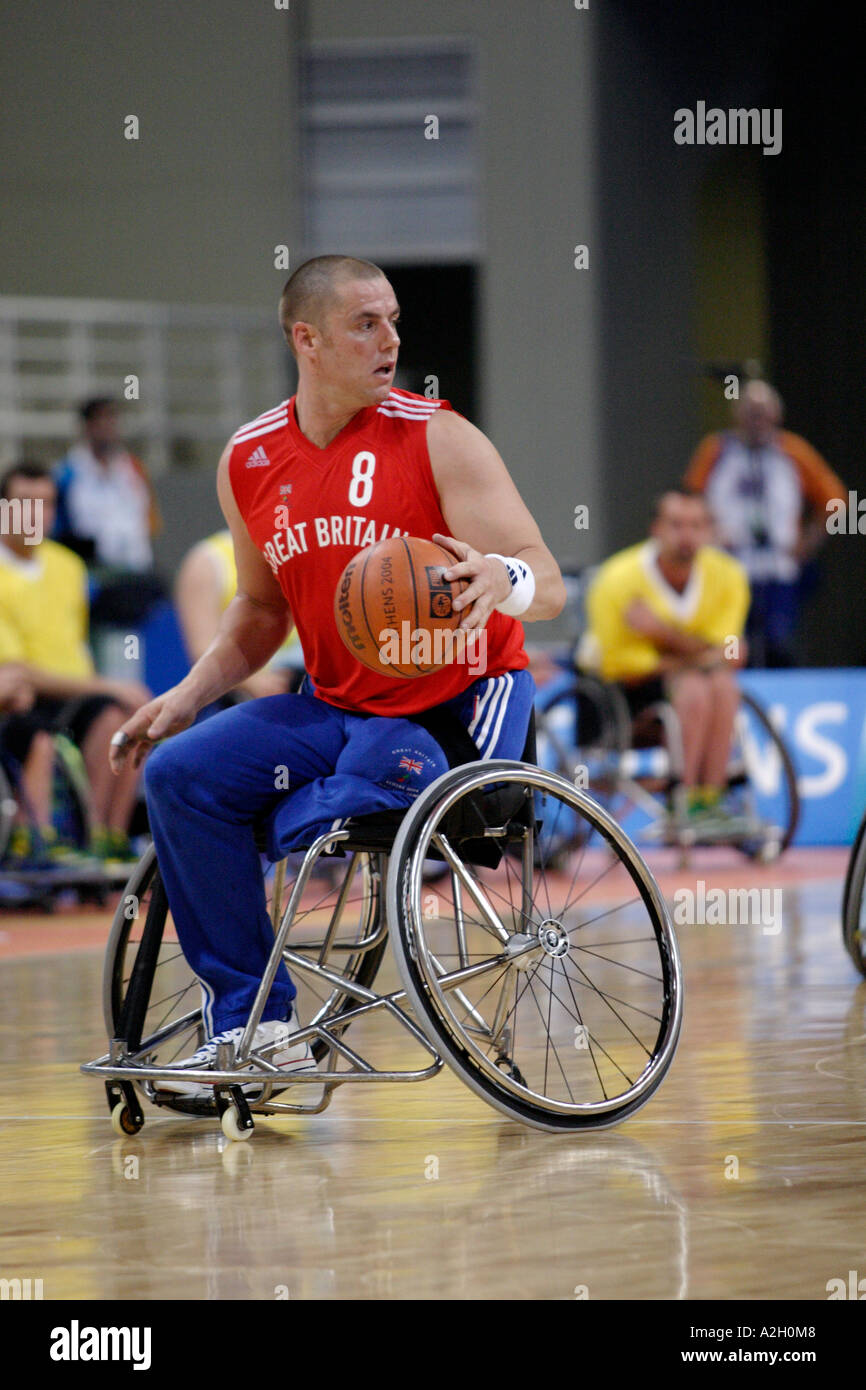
[554,993]
[635,764]
[854,901]
[585,722]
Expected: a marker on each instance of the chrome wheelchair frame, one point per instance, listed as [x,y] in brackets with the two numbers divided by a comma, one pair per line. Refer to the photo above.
[490,827]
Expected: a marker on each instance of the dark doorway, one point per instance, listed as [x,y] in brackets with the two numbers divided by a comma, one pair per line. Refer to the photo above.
[438,331]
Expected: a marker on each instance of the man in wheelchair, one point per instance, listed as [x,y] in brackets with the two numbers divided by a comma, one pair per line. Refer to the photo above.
[665,623]
[347,461]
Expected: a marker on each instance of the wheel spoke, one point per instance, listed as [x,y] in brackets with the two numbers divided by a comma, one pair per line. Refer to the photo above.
[600,947]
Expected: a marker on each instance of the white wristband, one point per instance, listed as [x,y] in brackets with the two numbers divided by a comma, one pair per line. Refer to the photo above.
[522,585]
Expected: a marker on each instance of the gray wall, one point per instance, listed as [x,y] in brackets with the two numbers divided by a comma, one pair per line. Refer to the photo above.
[192,210]
[189,213]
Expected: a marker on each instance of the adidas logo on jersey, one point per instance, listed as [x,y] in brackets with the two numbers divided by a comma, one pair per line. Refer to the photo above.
[258,459]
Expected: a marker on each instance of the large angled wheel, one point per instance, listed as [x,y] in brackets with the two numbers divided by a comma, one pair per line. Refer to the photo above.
[552,989]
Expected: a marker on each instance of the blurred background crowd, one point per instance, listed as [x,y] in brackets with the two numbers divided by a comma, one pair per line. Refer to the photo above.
[622,314]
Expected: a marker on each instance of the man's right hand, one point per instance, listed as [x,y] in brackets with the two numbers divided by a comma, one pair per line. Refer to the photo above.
[168,714]
[16,692]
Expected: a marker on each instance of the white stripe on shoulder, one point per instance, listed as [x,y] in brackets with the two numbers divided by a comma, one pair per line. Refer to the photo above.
[278,424]
[266,415]
[410,403]
[400,414]
[408,398]
[257,420]
[254,425]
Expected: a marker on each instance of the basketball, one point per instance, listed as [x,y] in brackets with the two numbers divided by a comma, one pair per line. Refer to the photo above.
[395,611]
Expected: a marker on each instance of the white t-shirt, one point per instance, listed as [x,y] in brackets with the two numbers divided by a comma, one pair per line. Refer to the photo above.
[754,491]
[110,504]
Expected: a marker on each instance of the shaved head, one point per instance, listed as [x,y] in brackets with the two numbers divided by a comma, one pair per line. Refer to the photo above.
[313,289]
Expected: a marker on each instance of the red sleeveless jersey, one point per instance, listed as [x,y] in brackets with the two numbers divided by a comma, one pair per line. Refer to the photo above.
[309,510]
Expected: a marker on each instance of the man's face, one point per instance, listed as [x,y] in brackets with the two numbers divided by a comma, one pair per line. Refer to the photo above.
[757,420]
[356,347]
[102,429]
[681,528]
[37,491]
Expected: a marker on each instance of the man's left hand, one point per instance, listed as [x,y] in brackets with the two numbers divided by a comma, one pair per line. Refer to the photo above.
[489,582]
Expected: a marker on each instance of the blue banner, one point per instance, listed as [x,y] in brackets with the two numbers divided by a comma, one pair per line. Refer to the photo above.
[821,714]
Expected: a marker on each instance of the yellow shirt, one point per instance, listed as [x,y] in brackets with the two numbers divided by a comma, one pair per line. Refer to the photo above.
[44,610]
[221,547]
[712,606]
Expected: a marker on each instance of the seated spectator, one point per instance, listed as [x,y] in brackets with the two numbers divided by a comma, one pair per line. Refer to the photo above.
[665,622]
[768,491]
[43,633]
[206,584]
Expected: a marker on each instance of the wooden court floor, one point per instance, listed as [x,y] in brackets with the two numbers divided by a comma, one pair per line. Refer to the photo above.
[741,1178]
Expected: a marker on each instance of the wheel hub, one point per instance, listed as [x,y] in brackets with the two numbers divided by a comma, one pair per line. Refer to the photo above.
[553,938]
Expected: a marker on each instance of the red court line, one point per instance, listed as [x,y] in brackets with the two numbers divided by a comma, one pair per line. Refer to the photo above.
[33,935]
[62,933]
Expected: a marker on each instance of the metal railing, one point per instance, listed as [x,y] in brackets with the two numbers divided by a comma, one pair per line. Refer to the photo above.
[188,374]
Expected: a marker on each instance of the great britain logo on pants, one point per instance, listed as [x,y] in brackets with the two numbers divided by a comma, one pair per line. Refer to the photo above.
[408,774]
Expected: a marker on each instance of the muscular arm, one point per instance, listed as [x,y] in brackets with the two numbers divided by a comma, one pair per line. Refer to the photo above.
[485,513]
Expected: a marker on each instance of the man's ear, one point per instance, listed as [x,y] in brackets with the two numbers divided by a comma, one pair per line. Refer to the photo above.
[305,337]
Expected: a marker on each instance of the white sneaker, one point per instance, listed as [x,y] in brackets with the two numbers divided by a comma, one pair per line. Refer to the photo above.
[294,1057]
